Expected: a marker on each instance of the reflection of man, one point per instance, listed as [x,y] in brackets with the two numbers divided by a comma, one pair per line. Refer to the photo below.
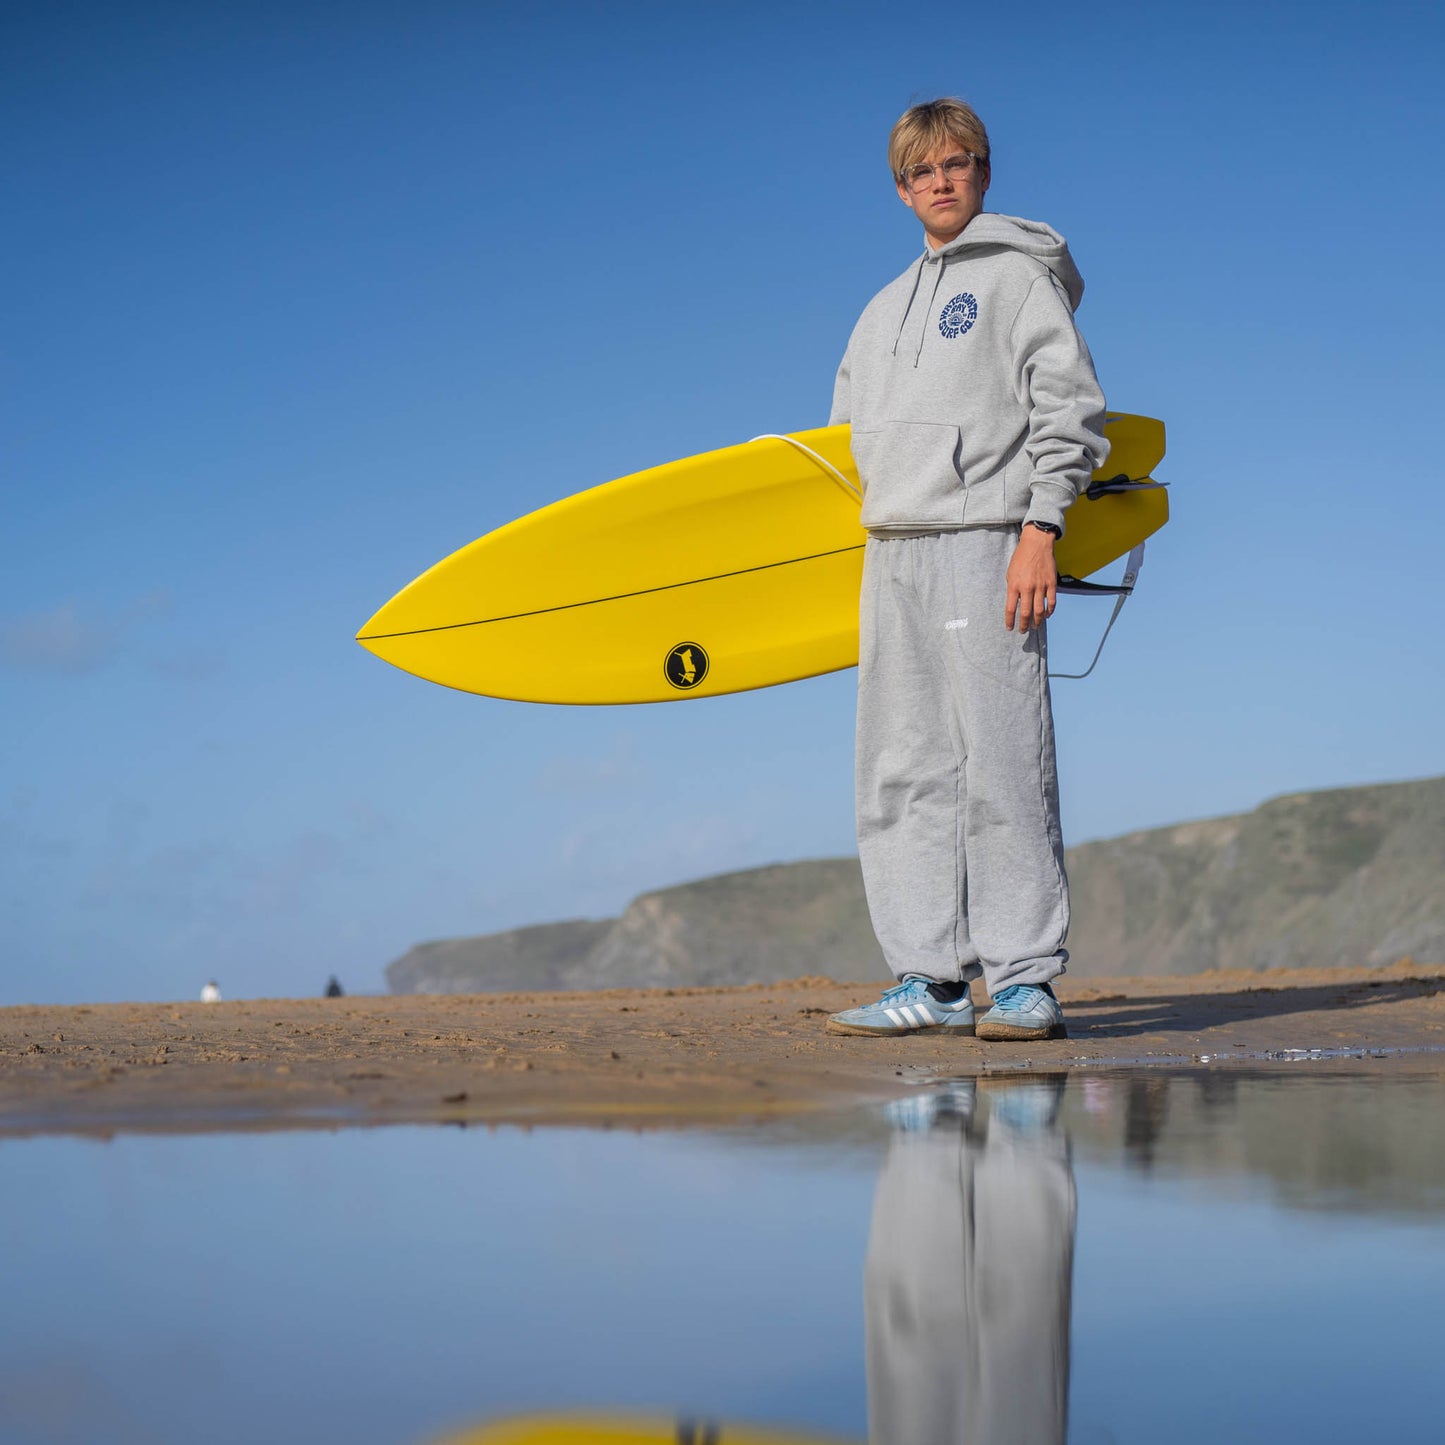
[976,419]
[967,1282]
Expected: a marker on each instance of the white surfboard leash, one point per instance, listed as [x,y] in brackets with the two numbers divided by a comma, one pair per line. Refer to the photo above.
[807,451]
[1122,593]
[1125,588]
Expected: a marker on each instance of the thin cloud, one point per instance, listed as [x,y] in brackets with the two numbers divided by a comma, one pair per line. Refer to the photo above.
[620,768]
[70,639]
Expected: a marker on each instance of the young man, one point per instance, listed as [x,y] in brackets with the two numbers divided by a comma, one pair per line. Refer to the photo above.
[976,420]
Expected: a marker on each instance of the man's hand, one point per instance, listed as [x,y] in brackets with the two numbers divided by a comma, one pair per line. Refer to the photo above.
[1033,581]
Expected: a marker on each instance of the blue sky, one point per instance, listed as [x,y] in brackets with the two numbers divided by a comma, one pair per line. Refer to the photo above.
[301,298]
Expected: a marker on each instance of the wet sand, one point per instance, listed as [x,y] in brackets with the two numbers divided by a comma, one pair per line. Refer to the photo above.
[650,1056]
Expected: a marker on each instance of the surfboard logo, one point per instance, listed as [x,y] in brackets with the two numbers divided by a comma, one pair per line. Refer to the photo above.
[686,666]
[958,315]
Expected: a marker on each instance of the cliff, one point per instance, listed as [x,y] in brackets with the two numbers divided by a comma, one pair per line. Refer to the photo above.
[1344,877]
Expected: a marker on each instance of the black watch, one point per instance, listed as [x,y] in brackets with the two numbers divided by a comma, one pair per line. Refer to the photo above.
[1053,531]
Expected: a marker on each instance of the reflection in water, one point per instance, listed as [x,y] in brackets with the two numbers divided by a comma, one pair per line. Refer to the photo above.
[705,1285]
[967,1282]
[1316,1141]
[1146,1108]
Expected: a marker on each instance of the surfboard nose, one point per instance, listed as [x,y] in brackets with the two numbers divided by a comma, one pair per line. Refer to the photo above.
[377,626]
[390,633]
[400,651]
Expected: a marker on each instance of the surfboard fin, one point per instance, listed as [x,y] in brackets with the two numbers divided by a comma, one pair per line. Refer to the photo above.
[1111,486]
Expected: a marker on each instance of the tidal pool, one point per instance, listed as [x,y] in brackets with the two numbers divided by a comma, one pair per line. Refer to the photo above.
[1096,1258]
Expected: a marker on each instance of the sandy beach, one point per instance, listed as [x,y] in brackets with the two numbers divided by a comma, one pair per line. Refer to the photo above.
[649,1056]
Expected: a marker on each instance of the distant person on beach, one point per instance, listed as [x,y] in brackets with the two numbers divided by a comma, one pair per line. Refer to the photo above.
[211,993]
[333,987]
[977,419]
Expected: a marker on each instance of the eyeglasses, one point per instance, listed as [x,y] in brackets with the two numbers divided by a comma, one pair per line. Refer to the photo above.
[955,168]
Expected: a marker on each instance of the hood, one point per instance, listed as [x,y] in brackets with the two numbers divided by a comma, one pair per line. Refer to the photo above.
[990,230]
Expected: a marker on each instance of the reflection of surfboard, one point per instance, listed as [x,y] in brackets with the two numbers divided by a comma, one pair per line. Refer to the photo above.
[731,570]
[618,1430]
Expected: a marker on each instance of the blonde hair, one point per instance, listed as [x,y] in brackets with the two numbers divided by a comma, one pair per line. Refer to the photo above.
[922,127]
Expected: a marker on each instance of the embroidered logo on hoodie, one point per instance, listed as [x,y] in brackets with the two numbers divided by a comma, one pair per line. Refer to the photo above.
[958,315]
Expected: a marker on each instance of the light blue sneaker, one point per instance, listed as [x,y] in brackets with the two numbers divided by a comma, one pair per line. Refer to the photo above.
[1025,1011]
[916,1005]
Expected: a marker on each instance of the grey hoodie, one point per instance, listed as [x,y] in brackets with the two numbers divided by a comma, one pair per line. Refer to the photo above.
[971,394]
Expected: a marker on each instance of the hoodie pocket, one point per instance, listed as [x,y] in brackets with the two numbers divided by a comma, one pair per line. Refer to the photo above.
[910,473]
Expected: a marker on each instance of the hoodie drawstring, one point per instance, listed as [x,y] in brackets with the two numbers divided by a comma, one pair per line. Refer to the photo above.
[912,296]
[917,277]
[923,330]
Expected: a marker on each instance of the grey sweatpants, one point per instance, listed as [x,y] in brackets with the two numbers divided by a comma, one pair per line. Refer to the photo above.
[957,788]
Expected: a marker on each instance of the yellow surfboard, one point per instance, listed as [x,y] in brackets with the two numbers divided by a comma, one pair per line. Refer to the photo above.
[735,569]
[582,1429]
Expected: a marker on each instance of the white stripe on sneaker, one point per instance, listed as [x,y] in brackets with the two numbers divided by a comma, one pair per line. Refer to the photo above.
[894,1015]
